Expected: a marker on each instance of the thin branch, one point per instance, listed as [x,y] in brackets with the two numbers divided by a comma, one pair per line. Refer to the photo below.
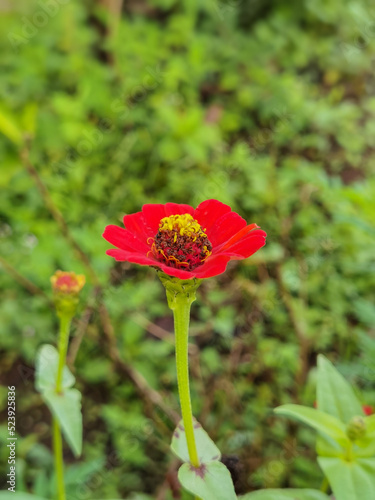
[155,330]
[139,381]
[304,342]
[171,482]
[114,8]
[80,331]
[24,282]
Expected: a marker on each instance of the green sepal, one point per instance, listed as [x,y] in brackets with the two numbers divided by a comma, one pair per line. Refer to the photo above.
[178,289]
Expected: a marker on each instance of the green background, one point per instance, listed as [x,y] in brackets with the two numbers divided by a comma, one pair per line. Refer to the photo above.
[267,106]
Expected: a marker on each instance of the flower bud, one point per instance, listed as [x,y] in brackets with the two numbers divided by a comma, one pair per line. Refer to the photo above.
[356,428]
[66,287]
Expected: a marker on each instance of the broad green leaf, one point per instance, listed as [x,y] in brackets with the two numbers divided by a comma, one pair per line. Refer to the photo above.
[213,482]
[328,447]
[292,494]
[207,449]
[42,483]
[320,421]
[370,425]
[350,480]
[334,395]
[47,359]
[8,495]
[9,128]
[365,447]
[28,118]
[66,407]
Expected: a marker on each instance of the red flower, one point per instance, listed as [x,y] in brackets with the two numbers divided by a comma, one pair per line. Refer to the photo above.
[183,241]
[368,410]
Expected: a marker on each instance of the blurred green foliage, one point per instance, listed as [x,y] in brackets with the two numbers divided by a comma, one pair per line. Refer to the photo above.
[267,106]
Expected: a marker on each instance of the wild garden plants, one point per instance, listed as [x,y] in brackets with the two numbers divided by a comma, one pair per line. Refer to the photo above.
[185,246]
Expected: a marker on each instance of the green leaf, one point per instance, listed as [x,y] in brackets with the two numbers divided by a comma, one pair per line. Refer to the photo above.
[28,118]
[350,480]
[206,448]
[9,128]
[47,360]
[278,494]
[212,481]
[66,407]
[370,425]
[328,447]
[320,421]
[334,395]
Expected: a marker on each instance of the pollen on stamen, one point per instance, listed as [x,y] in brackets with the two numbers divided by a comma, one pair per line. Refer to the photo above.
[181,242]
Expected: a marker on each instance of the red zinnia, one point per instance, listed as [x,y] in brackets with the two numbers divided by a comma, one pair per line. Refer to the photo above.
[183,241]
[368,410]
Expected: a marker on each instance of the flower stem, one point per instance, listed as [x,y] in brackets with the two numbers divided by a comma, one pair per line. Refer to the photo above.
[180,296]
[325,486]
[349,452]
[63,347]
[65,321]
[59,465]
[181,314]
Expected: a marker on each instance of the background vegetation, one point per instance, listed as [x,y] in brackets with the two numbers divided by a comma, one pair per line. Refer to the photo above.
[267,106]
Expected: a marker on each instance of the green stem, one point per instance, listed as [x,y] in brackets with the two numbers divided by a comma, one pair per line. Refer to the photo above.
[180,295]
[59,464]
[181,314]
[349,452]
[65,321]
[325,486]
[63,347]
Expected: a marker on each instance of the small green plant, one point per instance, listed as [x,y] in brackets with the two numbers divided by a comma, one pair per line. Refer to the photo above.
[55,381]
[346,436]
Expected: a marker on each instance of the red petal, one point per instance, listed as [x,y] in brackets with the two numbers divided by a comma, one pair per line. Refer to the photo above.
[137,225]
[213,266]
[153,213]
[177,209]
[225,227]
[209,211]
[247,246]
[124,239]
[178,273]
[143,260]
[136,258]
[238,236]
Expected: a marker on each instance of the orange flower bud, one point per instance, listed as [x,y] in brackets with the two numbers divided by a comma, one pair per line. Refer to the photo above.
[66,287]
[67,282]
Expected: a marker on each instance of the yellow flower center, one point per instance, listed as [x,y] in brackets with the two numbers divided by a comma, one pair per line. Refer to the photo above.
[181,242]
